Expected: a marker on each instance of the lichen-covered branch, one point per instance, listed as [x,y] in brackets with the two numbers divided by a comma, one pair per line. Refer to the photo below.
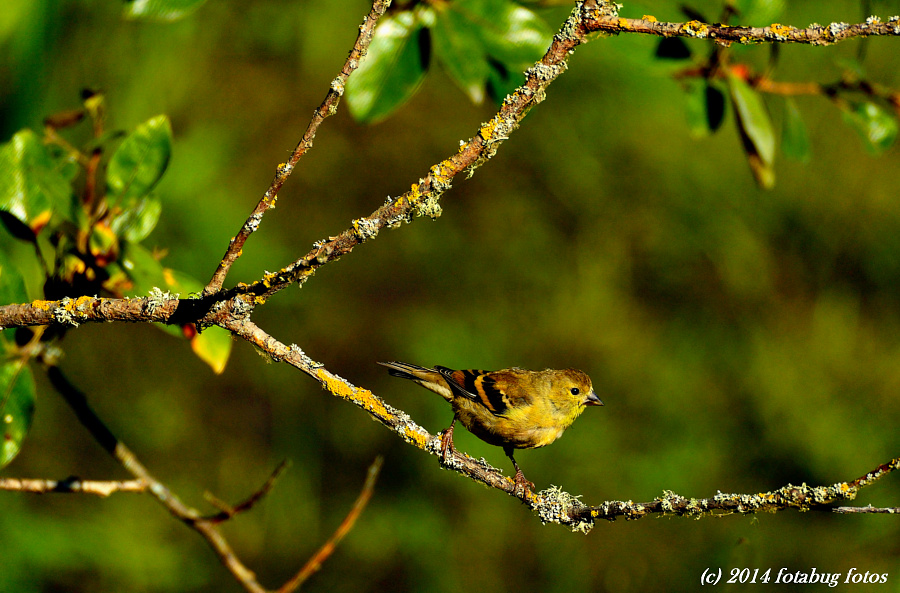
[423,197]
[814,34]
[282,172]
[89,309]
[396,420]
[587,17]
[571,512]
[555,505]
[159,307]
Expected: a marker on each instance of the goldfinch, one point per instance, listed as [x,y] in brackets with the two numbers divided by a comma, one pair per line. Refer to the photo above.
[512,408]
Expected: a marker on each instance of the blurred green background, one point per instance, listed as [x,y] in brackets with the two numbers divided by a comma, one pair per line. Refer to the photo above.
[741,339]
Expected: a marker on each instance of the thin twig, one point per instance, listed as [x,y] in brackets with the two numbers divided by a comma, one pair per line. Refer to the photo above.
[72,485]
[282,172]
[867,509]
[315,563]
[227,511]
[188,515]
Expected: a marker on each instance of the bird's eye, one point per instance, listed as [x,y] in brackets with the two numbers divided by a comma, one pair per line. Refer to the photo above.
[575,391]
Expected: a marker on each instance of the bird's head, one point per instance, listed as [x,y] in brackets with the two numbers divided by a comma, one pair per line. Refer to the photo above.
[575,386]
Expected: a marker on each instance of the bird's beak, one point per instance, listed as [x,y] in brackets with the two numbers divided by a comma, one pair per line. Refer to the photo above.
[593,400]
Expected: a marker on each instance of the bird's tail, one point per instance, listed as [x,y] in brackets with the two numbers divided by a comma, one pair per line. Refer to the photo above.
[428,378]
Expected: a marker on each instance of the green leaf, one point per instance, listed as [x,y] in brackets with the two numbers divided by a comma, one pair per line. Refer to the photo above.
[140,161]
[488,41]
[458,47]
[794,138]
[139,220]
[695,108]
[398,58]
[753,117]
[876,126]
[756,130]
[181,283]
[16,407]
[160,10]
[512,34]
[32,186]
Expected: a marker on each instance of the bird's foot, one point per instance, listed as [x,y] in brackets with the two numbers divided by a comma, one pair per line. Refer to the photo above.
[447,449]
[523,486]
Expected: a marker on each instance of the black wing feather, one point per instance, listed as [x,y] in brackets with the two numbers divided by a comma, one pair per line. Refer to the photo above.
[477,386]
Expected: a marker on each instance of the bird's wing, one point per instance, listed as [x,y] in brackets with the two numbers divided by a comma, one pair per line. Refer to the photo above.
[478,386]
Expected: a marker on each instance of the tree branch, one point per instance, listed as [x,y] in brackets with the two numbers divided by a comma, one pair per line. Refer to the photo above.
[282,172]
[207,527]
[227,511]
[187,515]
[552,505]
[815,34]
[72,485]
[801,497]
[423,198]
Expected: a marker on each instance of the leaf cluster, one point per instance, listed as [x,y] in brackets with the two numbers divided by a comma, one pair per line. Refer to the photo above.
[85,216]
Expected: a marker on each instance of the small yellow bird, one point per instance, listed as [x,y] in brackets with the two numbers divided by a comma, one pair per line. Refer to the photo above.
[512,408]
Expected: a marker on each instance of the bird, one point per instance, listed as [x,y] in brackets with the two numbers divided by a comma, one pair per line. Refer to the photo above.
[511,408]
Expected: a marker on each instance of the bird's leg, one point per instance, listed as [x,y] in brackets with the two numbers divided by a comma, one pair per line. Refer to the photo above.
[523,486]
[447,449]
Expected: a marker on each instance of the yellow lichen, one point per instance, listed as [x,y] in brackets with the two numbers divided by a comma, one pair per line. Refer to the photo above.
[780,31]
[42,305]
[415,437]
[81,302]
[695,29]
[488,129]
[414,194]
[357,395]
[649,17]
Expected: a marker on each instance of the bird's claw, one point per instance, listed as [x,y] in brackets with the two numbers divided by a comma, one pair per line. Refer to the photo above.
[447,449]
[523,487]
